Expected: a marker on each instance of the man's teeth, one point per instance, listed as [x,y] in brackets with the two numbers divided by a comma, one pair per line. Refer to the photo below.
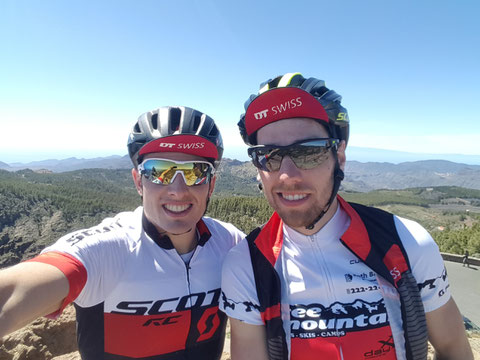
[294,197]
[176,208]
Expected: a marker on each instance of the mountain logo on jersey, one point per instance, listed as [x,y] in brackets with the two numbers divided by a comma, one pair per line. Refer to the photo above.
[316,320]
[229,303]
[433,283]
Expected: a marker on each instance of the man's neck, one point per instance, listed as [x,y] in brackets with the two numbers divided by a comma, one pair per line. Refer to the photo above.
[320,223]
[182,242]
[186,242]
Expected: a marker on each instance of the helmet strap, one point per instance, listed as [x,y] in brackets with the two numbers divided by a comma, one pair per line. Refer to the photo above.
[208,198]
[338,176]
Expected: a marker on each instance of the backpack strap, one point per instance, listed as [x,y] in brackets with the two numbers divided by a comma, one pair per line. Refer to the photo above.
[372,236]
[265,244]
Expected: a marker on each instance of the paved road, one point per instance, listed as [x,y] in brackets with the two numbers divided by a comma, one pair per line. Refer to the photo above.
[465,288]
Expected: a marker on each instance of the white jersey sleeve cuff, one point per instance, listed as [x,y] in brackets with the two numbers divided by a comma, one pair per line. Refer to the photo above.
[426,263]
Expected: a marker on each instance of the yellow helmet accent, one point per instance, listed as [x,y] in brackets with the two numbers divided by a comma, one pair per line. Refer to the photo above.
[287,78]
[284,81]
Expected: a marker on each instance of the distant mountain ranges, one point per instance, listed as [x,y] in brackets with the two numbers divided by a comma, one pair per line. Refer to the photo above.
[358,176]
[71,164]
[370,176]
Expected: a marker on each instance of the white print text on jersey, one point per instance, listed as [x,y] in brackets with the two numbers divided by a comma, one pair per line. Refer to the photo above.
[359,321]
[165,306]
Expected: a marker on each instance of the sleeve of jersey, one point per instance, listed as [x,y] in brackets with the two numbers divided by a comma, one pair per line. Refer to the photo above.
[74,271]
[239,296]
[426,262]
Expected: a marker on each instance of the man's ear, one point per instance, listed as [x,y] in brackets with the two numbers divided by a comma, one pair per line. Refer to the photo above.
[137,180]
[341,154]
[211,186]
[259,185]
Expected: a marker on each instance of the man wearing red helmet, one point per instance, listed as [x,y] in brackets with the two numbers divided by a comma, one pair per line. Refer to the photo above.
[145,284]
[324,278]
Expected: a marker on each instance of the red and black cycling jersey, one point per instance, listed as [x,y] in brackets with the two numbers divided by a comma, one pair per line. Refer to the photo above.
[334,294]
[134,295]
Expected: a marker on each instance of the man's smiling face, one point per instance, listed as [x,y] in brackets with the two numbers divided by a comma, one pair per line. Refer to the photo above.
[298,196]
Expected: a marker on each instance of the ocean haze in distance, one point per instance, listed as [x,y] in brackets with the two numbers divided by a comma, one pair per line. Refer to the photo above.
[354,153]
[362,154]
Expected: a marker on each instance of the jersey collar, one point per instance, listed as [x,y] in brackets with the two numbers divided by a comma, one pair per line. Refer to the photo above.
[164,241]
[270,238]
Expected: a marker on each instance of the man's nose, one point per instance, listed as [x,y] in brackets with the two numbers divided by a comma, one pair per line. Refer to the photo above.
[178,185]
[288,170]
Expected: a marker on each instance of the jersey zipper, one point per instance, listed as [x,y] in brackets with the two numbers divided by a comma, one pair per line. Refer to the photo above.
[330,286]
[187,270]
[322,265]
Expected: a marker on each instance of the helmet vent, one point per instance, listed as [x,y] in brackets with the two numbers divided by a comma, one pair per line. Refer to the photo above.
[213,131]
[196,122]
[274,83]
[320,91]
[136,128]
[155,121]
[175,114]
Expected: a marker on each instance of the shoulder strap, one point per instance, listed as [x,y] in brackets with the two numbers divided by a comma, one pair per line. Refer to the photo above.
[372,236]
[268,285]
[377,243]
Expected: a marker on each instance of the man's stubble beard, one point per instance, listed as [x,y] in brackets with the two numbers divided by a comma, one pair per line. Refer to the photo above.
[300,218]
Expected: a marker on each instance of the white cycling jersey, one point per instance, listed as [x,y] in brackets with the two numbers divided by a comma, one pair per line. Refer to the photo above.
[134,294]
[333,304]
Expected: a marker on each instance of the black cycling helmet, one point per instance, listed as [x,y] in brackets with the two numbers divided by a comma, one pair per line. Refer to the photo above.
[291,95]
[175,129]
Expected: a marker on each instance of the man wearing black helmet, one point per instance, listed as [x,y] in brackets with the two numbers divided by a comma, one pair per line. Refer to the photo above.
[323,278]
[145,284]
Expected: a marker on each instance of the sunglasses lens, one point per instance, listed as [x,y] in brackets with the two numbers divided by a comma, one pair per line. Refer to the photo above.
[306,155]
[163,172]
[273,160]
[266,162]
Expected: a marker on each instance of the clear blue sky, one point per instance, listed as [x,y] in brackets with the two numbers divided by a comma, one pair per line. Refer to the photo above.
[75,75]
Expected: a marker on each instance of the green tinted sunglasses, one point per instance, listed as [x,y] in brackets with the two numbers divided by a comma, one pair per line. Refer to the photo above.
[306,154]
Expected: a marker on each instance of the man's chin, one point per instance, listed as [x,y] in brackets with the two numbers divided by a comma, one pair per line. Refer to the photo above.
[297,220]
[177,226]
[180,230]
